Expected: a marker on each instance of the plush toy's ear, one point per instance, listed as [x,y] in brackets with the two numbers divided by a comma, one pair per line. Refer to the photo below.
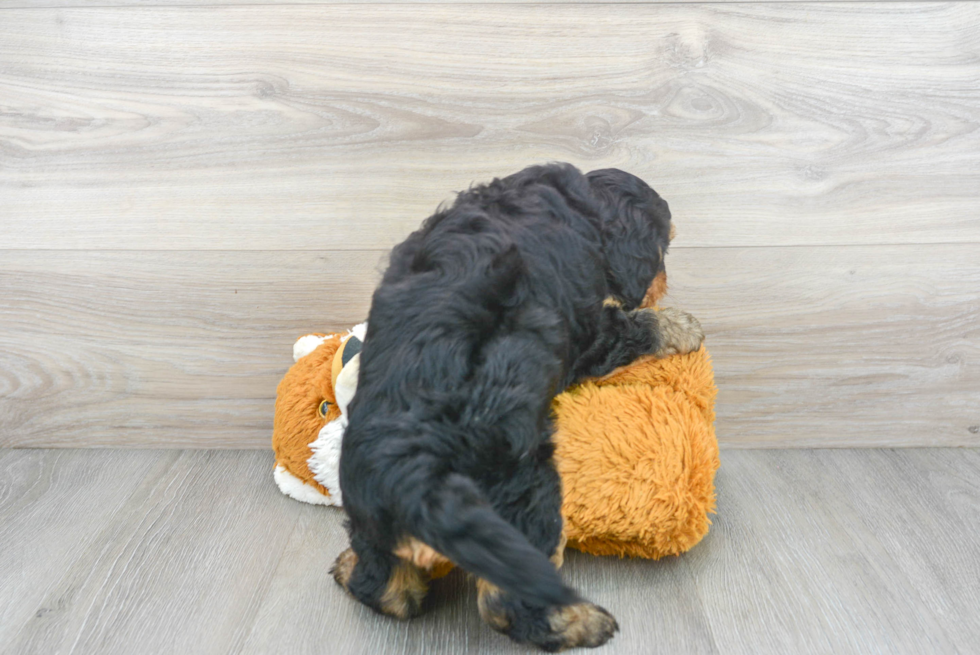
[346,365]
[345,384]
[349,349]
[307,344]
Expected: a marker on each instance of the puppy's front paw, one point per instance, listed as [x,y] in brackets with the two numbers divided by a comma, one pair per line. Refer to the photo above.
[343,568]
[679,332]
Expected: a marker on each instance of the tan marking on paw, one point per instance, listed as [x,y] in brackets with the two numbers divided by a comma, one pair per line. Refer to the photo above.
[680,333]
[420,554]
[582,625]
[490,609]
[558,557]
[343,567]
[405,592]
[611,302]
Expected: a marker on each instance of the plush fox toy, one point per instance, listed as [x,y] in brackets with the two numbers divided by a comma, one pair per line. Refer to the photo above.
[636,449]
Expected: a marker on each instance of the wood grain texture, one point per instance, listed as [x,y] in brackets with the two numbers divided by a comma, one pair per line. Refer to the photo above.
[857,346]
[66,4]
[305,127]
[179,568]
[56,510]
[843,551]
[809,555]
[162,349]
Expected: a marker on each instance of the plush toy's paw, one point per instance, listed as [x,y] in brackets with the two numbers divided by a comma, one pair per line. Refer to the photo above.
[679,332]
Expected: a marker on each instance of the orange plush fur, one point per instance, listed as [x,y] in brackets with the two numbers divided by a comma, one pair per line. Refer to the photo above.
[297,421]
[637,455]
[636,450]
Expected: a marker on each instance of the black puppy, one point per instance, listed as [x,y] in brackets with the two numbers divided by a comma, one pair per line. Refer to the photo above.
[489,310]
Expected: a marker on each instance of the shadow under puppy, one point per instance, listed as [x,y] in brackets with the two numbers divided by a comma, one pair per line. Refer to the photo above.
[495,305]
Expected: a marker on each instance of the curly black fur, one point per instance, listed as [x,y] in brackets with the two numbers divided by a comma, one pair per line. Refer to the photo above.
[485,313]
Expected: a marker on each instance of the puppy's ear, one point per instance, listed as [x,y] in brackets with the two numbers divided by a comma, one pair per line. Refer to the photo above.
[635,232]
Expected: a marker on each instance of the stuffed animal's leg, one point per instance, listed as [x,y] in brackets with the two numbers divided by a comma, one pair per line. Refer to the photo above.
[624,336]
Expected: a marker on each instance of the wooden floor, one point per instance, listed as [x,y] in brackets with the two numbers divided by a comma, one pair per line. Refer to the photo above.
[188,186]
[185,190]
[812,551]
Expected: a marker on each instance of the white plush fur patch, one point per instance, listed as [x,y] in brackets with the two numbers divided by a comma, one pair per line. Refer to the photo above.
[305,345]
[324,463]
[359,331]
[293,487]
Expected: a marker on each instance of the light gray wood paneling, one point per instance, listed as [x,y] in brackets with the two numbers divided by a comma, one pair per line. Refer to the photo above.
[162,348]
[204,297]
[17,4]
[269,127]
[843,551]
[846,346]
[821,346]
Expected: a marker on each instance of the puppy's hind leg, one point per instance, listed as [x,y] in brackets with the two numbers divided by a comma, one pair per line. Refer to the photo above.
[381,580]
[552,628]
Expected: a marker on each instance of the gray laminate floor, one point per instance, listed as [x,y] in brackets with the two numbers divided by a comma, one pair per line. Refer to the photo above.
[812,551]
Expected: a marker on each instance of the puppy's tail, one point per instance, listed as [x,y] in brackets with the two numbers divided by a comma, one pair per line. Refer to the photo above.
[458,522]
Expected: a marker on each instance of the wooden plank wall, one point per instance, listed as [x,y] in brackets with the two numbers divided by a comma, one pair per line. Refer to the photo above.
[184,190]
